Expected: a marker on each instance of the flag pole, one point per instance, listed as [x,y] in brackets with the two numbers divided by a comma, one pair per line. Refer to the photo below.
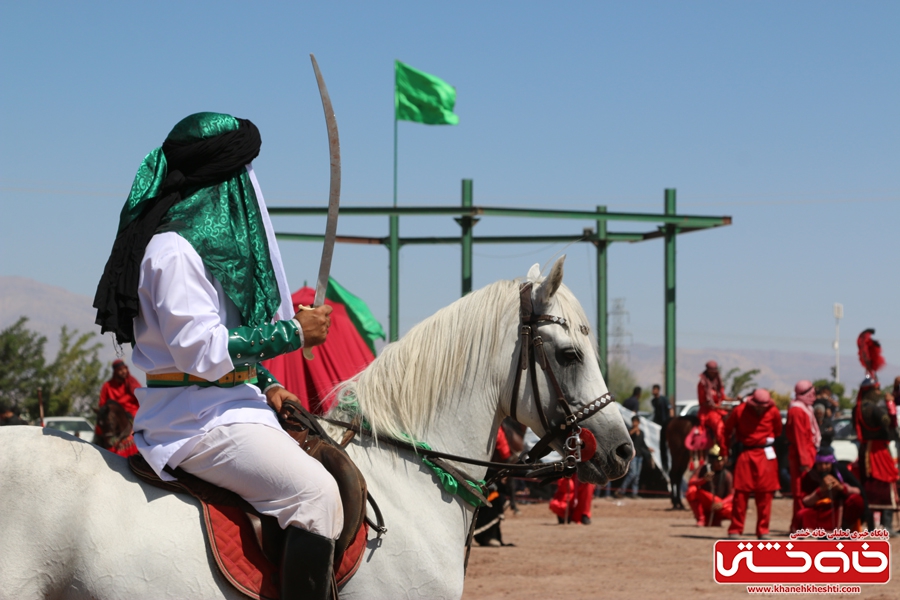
[394,246]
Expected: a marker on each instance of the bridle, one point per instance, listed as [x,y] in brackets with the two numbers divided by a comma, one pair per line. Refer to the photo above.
[531,353]
[579,444]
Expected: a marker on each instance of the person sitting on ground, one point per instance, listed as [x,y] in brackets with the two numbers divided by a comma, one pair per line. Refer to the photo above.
[711,490]
[633,402]
[641,452]
[829,502]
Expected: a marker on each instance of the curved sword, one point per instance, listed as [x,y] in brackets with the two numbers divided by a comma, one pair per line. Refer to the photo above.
[334,194]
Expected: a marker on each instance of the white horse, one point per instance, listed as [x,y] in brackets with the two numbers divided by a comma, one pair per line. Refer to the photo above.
[75,523]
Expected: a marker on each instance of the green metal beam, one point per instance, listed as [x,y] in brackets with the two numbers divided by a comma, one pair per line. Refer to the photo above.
[693,221]
[671,233]
[486,239]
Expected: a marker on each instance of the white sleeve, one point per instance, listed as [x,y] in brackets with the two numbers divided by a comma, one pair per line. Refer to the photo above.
[187,309]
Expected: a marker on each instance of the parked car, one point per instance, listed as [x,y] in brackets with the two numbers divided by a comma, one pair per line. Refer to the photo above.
[845,442]
[77,426]
[684,408]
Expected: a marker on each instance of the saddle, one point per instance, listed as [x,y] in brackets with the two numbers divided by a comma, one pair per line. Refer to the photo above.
[245,544]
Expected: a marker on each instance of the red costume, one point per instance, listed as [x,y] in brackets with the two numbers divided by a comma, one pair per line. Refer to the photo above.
[838,508]
[756,425]
[120,391]
[572,500]
[803,437]
[703,493]
[874,423]
[710,394]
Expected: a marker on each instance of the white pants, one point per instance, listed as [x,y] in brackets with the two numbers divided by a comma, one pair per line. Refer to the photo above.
[270,471]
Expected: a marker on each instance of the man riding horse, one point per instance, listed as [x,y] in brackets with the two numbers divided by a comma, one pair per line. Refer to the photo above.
[196,283]
[710,395]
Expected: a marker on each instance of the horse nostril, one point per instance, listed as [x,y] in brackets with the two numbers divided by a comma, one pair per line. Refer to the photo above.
[625,451]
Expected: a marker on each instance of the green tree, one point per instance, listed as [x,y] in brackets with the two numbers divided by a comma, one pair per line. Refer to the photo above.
[22,357]
[70,384]
[620,380]
[739,382]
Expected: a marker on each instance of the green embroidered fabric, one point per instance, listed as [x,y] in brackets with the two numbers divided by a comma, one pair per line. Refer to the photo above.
[221,222]
[250,345]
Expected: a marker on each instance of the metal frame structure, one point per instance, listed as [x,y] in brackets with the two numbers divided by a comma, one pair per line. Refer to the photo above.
[669,225]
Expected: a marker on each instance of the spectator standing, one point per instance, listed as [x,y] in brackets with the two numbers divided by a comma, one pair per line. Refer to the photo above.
[10,416]
[804,438]
[641,452]
[662,414]
[756,423]
[633,403]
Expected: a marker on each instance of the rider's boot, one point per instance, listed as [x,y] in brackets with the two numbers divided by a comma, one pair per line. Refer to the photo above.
[306,566]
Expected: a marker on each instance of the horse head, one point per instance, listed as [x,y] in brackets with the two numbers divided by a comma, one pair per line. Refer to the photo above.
[570,357]
[114,423]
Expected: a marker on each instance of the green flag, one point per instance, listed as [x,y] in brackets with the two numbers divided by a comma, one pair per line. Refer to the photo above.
[422,98]
[362,318]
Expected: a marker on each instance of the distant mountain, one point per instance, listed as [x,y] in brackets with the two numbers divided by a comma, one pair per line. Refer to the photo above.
[48,308]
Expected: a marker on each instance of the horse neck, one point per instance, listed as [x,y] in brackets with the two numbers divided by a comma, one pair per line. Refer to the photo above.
[450,373]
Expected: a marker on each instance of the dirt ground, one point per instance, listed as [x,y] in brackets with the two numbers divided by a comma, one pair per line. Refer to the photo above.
[633,549]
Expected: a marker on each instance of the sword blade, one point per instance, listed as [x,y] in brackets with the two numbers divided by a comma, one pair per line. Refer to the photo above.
[334,195]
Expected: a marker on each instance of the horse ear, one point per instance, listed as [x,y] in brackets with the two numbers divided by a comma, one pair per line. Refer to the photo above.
[549,286]
[534,273]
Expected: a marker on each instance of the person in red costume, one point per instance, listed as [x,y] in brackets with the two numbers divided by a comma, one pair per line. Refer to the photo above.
[755,425]
[803,437]
[113,431]
[875,419]
[711,491]
[120,388]
[829,502]
[710,394]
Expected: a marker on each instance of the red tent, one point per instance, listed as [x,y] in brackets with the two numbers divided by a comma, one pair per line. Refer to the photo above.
[343,355]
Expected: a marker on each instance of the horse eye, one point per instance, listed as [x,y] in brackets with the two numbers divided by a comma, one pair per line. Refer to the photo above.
[568,356]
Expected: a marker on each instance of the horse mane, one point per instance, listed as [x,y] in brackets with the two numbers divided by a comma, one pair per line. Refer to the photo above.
[447,358]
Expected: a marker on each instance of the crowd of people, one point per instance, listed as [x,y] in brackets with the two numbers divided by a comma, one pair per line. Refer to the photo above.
[826,494]
[744,446]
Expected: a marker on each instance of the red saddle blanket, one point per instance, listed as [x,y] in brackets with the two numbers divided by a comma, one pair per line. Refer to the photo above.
[234,541]
[234,546]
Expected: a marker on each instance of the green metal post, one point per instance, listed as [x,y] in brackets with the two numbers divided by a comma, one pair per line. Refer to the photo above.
[394,268]
[671,233]
[394,260]
[602,295]
[466,224]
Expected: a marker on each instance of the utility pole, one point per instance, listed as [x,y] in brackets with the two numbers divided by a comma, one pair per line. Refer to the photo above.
[838,315]
[618,333]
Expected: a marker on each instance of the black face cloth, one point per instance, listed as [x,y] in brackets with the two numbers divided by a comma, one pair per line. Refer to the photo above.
[191,166]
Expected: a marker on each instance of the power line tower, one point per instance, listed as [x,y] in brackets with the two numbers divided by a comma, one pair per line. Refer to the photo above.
[618,333]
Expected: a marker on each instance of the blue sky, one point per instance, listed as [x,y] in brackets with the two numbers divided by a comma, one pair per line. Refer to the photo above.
[782,115]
